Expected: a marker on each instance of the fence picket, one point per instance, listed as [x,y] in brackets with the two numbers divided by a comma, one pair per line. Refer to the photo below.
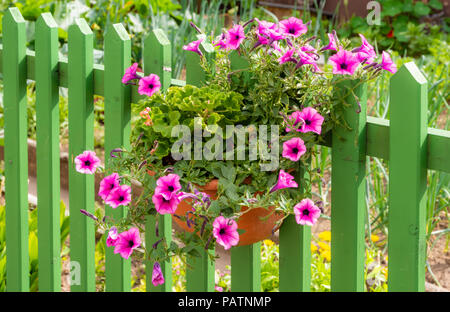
[47,153]
[348,194]
[117,134]
[295,249]
[81,138]
[16,150]
[200,274]
[407,180]
[158,60]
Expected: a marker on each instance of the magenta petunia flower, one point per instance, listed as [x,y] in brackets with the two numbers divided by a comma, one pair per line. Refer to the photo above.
[149,85]
[285,180]
[293,149]
[108,184]
[295,116]
[264,27]
[306,213]
[165,206]
[194,47]
[276,34]
[235,36]
[387,63]
[225,232]
[306,59]
[366,53]
[312,120]
[87,162]
[332,45]
[131,73]
[127,242]
[308,48]
[119,196]
[157,275]
[344,62]
[293,27]
[288,56]
[168,185]
[113,237]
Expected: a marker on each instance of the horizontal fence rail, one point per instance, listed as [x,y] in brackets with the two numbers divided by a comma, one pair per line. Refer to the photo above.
[410,147]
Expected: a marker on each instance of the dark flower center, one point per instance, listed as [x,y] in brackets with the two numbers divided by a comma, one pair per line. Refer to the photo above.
[87,163]
[295,150]
[292,30]
[307,122]
[151,86]
[236,37]
[344,66]
[121,198]
[130,243]
[222,231]
[112,186]
[171,188]
[305,212]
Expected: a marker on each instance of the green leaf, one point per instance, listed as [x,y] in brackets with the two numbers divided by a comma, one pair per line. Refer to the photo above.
[392,8]
[436,4]
[421,9]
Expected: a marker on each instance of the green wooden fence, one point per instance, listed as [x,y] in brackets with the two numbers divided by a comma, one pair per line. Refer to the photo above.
[405,141]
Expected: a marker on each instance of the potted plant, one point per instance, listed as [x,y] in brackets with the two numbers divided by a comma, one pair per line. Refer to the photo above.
[224,159]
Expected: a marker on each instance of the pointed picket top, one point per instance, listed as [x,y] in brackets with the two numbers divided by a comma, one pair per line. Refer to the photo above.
[81,26]
[409,72]
[13,15]
[117,31]
[159,61]
[46,20]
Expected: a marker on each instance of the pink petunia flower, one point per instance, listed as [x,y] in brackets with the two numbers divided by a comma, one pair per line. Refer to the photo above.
[308,48]
[306,59]
[344,62]
[165,206]
[127,242]
[108,184]
[218,288]
[113,237]
[306,213]
[287,57]
[293,27]
[285,180]
[293,149]
[295,116]
[276,34]
[119,196]
[131,73]
[387,63]
[264,27]
[312,120]
[225,232]
[332,45]
[235,36]
[220,42]
[194,47]
[366,53]
[149,85]
[157,275]
[87,162]
[168,185]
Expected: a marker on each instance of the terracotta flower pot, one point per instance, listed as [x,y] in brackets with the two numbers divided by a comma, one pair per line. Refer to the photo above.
[255,229]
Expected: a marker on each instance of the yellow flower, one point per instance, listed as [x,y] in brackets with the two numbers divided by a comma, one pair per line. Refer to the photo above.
[268,242]
[325,236]
[313,247]
[324,246]
[326,254]
[374,238]
[385,272]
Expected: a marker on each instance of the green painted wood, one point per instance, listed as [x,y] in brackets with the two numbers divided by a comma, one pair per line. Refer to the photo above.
[348,206]
[200,273]
[246,268]
[117,134]
[295,248]
[407,180]
[47,153]
[158,60]
[81,138]
[16,150]
[245,260]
